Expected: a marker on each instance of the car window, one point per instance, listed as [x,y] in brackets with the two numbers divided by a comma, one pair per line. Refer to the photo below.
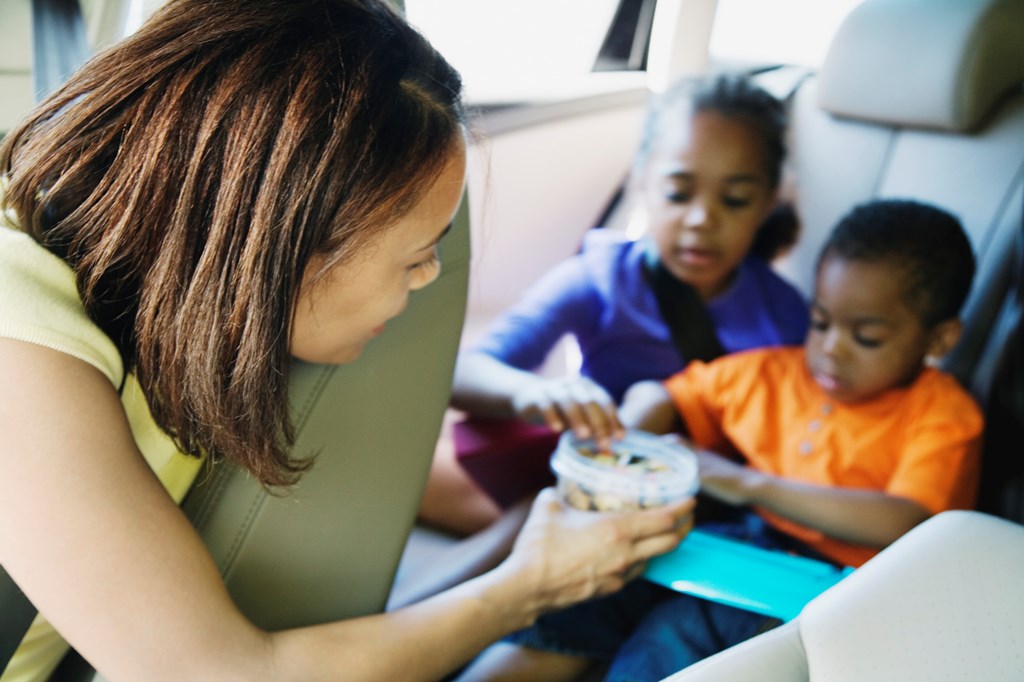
[522,50]
[778,32]
[547,49]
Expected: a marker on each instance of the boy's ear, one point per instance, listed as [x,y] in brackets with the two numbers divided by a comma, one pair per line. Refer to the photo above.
[943,337]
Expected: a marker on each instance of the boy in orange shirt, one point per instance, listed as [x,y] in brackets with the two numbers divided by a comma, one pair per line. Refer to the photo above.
[834,449]
[850,441]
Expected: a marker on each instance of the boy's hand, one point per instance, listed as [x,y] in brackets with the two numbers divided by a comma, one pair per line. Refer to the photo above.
[726,480]
[647,406]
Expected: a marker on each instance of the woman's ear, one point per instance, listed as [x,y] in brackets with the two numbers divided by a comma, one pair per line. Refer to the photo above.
[942,338]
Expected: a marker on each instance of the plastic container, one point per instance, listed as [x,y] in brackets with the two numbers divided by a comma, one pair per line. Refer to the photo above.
[642,471]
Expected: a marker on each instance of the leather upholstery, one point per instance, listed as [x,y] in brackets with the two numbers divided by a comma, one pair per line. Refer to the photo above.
[939,64]
[329,548]
[942,602]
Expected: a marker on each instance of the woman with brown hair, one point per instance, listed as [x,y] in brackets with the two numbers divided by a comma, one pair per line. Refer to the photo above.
[238,184]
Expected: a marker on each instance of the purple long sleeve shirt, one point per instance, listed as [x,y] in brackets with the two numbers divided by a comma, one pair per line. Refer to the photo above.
[602,297]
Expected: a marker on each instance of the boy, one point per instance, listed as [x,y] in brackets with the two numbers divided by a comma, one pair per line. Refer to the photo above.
[852,440]
[838,448]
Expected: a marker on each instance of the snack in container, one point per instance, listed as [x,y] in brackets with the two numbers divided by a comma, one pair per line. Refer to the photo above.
[640,471]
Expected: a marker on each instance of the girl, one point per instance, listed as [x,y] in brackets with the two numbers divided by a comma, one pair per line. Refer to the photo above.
[708,172]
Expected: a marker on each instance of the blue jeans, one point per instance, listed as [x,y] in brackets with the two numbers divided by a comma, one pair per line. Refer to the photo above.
[646,632]
[677,633]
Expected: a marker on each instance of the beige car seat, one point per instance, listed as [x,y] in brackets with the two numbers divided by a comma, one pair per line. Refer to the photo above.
[941,603]
[919,99]
[922,99]
[329,548]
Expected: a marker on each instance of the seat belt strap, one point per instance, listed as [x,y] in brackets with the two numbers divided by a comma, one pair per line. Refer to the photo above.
[688,320]
[18,613]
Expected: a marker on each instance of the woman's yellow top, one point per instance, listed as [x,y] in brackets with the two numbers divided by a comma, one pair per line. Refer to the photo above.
[40,304]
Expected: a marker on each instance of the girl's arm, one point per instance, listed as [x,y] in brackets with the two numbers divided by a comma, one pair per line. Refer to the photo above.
[99,547]
[864,517]
[486,386]
[564,301]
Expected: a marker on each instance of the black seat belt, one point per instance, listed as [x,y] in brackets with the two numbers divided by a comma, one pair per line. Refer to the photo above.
[693,334]
[688,320]
[18,613]
[59,48]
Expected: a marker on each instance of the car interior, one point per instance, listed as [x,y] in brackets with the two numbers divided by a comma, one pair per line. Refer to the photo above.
[916,98]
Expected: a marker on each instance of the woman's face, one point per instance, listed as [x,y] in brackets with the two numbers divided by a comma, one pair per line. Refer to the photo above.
[707,191]
[338,315]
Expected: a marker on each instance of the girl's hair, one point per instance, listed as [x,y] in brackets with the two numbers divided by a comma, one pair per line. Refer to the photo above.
[733,96]
[926,243]
[189,174]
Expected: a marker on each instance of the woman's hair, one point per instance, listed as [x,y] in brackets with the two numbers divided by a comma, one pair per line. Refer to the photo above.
[189,174]
[926,243]
[733,96]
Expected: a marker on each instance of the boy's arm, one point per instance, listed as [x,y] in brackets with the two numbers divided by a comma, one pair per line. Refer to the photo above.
[853,515]
[648,406]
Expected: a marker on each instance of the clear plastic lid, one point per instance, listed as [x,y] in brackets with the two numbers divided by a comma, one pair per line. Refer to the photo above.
[642,470]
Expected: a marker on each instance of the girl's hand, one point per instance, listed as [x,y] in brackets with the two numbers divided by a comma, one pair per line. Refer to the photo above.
[726,480]
[574,403]
[569,555]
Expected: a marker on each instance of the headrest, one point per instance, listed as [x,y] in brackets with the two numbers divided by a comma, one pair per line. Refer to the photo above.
[924,63]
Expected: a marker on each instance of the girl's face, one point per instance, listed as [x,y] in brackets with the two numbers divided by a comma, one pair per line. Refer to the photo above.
[338,315]
[864,340]
[707,192]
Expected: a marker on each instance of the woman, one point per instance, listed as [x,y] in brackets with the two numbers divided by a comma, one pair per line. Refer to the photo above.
[237,184]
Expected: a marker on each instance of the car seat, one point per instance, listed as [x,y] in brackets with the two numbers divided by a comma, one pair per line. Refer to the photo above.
[919,99]
[329,548]
[924,99]
[942,602]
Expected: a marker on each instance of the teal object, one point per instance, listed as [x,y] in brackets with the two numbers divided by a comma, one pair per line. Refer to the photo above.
[765,581]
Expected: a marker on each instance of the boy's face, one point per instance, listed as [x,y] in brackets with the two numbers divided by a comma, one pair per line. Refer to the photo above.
[863,339]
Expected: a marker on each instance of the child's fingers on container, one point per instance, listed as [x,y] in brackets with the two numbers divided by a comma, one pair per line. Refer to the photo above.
[553,418]
[540,409]
[582,403]
[538,402]
[603,422]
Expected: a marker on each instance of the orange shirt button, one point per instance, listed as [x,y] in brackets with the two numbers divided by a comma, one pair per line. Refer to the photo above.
[805,447]
[814,426]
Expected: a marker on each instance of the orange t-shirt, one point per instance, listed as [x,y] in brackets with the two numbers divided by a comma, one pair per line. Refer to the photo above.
[921,442]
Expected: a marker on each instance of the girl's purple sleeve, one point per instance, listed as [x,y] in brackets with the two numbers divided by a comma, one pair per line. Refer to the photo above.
[564,301]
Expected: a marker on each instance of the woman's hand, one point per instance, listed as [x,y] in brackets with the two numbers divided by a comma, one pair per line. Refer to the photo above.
[574,403]
[570,555]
